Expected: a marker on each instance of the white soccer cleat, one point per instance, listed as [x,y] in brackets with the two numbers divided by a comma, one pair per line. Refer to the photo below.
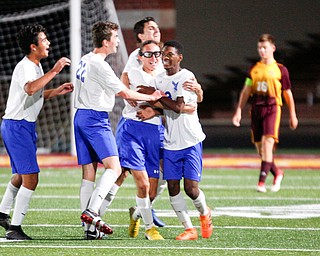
[277,182]
[261,187]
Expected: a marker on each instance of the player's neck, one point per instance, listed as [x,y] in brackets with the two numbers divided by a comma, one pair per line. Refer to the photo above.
[101,52]
[34,59]
[268,61]
[172,71]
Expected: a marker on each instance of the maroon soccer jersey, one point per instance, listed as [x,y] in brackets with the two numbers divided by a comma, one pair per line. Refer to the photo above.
[267,83]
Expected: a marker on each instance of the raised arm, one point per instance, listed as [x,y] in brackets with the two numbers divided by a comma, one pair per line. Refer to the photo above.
[34,86]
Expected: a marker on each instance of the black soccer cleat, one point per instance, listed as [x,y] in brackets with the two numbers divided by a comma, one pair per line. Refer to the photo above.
[94,235]
[5,221]
[16,233]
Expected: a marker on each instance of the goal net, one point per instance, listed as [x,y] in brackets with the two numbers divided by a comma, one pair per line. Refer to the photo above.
[54,122]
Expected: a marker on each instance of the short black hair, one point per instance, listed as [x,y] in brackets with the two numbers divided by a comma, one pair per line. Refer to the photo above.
[175,44]
[139,26]
[29,35]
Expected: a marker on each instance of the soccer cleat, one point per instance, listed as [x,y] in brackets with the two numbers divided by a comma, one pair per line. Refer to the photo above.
[188,234]
[156,220]
[261,187]
[5,221]
[94,235]
[277,181]
[91,217]
[16,233]
[206,225]
[134,226]
[153,234]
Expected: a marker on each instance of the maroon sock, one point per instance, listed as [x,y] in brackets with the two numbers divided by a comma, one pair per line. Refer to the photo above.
[265,168]
[274,169]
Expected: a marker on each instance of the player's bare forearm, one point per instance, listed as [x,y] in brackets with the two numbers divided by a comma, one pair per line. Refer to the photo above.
[174,105]
[34,86]
[288,97]
[61,90]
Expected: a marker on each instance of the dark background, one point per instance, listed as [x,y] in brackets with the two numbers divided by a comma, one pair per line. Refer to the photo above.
[220,39]
[217,33]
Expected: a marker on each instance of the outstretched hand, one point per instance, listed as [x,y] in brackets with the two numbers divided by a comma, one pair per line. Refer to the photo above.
[60,64]
[64,88]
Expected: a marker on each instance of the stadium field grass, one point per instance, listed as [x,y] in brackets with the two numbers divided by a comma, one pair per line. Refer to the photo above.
[246,222]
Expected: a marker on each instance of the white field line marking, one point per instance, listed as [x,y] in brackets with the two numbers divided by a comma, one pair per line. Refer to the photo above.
[179,227]
[165,197]
[163,248]
[253,176]
[227,187]
[261,212]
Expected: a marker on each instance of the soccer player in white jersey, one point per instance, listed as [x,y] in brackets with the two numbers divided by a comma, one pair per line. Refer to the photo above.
[139,143]
[145,29]
[182,157]
[95,90]
[18,128]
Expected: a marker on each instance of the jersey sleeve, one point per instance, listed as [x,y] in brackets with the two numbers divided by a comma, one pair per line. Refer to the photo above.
[107,74]
[285,78]
[248,80]
[188,96]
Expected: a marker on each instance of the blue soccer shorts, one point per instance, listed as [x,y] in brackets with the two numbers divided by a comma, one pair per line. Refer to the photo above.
[139,147]
[185,163]
[20,140]
[93,136]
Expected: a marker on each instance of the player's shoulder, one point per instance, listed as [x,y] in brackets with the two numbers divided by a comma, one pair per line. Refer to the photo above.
[186,71]
[134,54]
[135,72]
[185,74]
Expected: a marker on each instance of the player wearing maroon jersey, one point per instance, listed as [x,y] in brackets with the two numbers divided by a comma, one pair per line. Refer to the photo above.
[265,85]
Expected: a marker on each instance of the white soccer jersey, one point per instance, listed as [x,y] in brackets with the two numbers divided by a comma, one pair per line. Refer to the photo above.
[138,77]
[20,105]
[134,62]
[182,130]
[96,84]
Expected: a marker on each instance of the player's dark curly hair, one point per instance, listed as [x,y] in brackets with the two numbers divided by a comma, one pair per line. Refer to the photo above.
[102,30]
[29,35]
[175,44]
[139,26]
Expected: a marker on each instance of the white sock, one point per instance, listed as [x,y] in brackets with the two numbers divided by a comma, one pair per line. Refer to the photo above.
[136,214]
[106,181]
[8,198]
[143,206]
[200,203]
[86,190]
[108,199]
[162,184]
[21,206]
[180,207]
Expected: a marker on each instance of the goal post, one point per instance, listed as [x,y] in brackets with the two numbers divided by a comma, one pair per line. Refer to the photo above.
[69,31]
